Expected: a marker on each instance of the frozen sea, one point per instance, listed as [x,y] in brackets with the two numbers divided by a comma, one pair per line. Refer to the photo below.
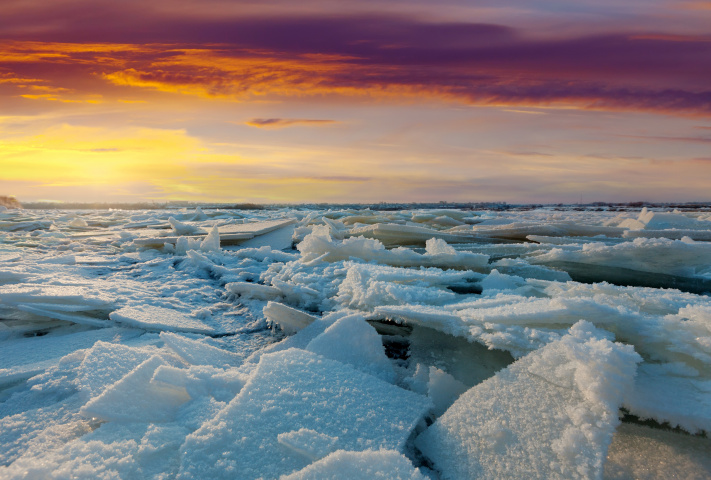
[313,343]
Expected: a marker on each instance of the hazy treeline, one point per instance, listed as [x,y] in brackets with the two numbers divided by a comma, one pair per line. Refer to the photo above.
[134,206]
[9,202]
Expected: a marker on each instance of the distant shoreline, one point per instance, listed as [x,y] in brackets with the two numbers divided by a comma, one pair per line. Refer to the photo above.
[380,206]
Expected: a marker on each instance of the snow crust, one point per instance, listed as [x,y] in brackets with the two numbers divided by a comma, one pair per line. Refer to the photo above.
[199,343]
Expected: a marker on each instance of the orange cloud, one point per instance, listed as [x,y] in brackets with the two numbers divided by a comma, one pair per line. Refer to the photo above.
[617,73]
[696,5]
[241,74]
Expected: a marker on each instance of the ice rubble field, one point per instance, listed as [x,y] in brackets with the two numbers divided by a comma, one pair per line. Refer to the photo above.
[310,344]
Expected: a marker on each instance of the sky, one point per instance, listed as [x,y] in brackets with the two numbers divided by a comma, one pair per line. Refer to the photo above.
[355,101]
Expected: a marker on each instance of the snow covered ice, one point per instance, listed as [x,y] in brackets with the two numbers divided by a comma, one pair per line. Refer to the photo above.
[310,343]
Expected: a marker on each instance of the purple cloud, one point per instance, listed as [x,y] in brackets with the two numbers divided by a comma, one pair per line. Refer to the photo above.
[286,122]
[475,63]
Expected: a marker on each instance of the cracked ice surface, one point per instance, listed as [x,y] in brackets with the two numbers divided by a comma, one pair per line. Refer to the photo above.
[398,344]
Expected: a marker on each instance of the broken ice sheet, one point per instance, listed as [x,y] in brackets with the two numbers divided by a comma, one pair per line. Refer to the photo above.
[106,363]
[197,352]
[551,414]
[291,390]
[154,318]
[353,341]
[683,258]
[521,308]
[27,293]
[290,320]
[320,246]
[136,398]
[25,357]
[662,394]
[113,450]
[367,465]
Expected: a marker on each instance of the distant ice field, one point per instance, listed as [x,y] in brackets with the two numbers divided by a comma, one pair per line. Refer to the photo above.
[355,343]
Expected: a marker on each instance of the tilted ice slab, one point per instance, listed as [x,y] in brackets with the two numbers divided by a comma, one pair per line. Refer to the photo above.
[201,382]
[106,363]
[523,315]
[684,258]
[670,220]
[669,328]
[28,293]
[353,341]
[519,340]
[367,465]
[291,390]
[319,246]
[662,394]
[256,291]
[676,234]
[550,415]
[300,339]
[154,318]
[135,398]
[22,358]
[279,239]
[60,312]
[233,233]
[367,286]
[395,234]
[519,231]
[197,352]
[289,319]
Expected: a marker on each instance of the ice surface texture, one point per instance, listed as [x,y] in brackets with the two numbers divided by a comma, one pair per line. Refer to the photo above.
[200,344]
[296,389]
[367,465]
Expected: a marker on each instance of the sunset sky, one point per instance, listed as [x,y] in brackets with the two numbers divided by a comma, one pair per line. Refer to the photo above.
[366,101]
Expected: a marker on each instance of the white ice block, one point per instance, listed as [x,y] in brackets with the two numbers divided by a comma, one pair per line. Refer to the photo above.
[254,291]
[353,341]
[549,415]
[197,352]
[289,319]
[135,398]
[291,390]
[106,363]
